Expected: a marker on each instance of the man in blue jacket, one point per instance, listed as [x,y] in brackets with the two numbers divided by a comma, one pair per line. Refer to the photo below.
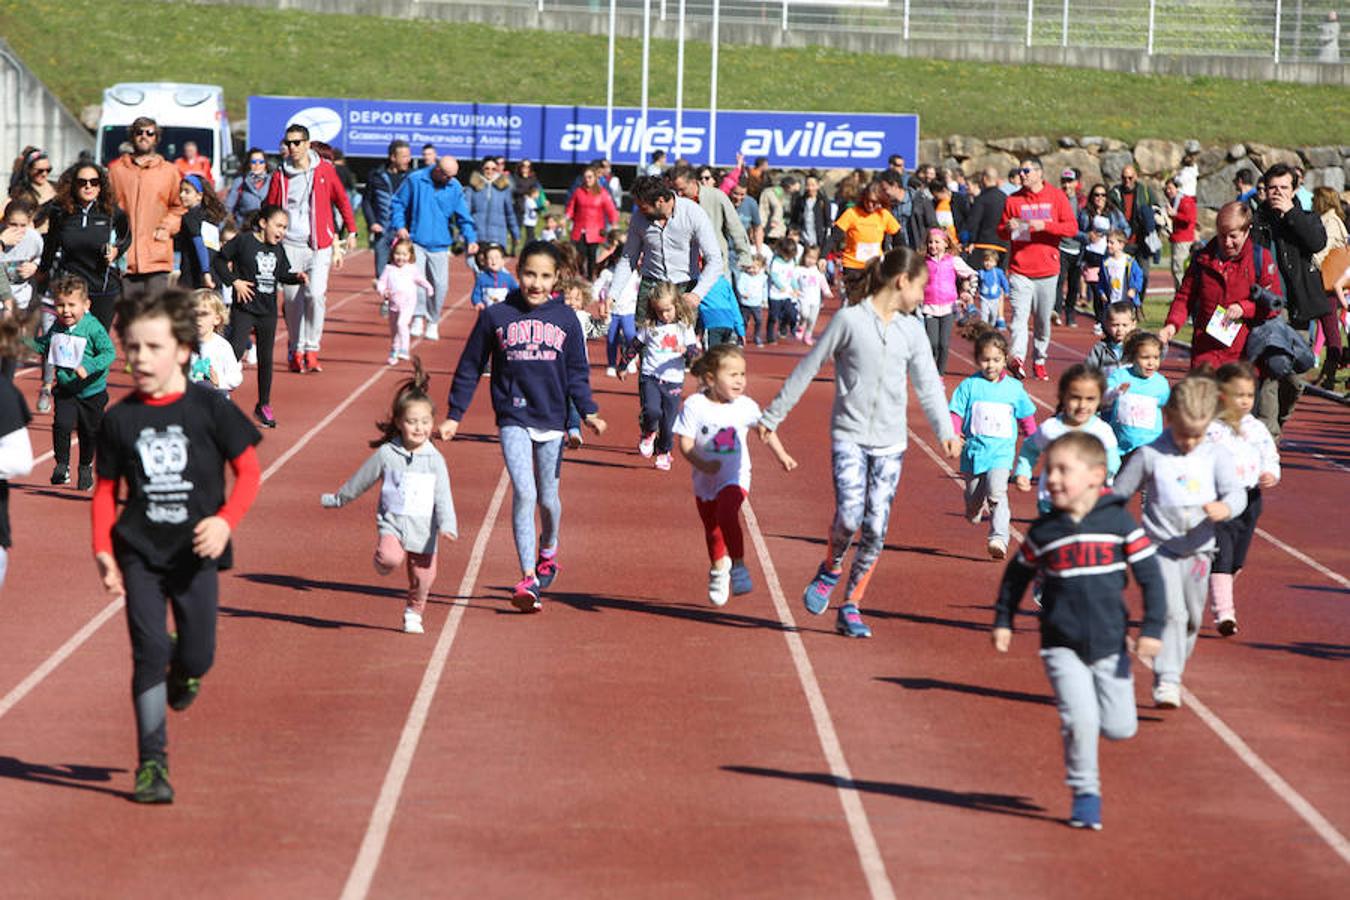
[383,182]
[491,204]
[423,209]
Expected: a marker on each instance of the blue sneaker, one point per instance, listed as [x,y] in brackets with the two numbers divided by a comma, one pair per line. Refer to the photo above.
[740,579]
[546,569]
[1087,812]
[850,622]
[816,597]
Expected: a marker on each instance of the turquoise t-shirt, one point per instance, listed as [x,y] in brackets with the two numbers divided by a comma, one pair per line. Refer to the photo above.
[990,411]
[1136,414]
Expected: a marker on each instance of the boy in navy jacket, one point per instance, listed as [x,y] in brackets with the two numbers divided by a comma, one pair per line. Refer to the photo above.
[1082,549]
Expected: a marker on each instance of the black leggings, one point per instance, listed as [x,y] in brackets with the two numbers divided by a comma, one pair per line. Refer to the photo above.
[586,257]
[82,414]
[193,591]
[244,322]
[103,306]
[1233,537]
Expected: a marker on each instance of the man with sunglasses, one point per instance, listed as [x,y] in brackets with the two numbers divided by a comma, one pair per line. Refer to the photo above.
[146,187]
[308,187]
[1034,220]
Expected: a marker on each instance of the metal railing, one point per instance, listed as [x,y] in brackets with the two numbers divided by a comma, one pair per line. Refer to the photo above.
[1284,31]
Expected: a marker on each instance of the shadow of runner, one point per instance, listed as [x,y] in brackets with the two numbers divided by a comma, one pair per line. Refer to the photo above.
[704,614]
[296,619]
[1002,804]
[894,548]
[936,684]
[70,775]
[1310,649]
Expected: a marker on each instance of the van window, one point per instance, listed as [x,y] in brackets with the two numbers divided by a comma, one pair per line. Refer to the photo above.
[171,141]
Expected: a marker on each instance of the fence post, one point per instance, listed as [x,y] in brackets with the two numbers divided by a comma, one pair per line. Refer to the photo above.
[785,15]
[1152,14]
[1279,11]
[1064,26]
[906,19]
[1031,4]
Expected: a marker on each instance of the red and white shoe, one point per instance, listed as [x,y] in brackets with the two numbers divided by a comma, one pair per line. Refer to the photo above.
[312,361]
[297,361]
[1017,369]
[1039,370]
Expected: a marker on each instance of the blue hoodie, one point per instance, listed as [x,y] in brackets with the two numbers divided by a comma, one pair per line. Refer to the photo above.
[426,211]
[720,309]
[538,358]
[486,281]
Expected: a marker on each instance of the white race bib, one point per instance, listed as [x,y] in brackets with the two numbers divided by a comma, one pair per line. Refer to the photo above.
[66,350]
[1184,481]
[414,495]
[865,251]
[210,236]
[991,419]
[496,294]
[1137,410]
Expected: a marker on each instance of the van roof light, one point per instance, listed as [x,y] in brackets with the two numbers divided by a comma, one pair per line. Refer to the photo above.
[191,96]
[128,96]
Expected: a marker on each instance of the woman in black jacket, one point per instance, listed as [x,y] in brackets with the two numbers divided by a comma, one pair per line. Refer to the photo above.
[87,232]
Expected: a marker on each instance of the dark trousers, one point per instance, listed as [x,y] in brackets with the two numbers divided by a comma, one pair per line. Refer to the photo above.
[1066,291]
[752,313]
[81,414]
[136,286]
[714,336]
[242,324]
[103,306]
[1233,537]
[939,329]
[193,592]
[782,318]
[586,258]
[660,402]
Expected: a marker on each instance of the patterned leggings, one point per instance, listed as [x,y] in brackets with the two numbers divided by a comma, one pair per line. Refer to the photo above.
[864,488]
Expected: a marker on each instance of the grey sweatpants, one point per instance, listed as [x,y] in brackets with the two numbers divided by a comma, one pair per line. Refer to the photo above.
[1033,302]
[534,467]
[1093,699]
[1186,580]
[304,305]
[990,487]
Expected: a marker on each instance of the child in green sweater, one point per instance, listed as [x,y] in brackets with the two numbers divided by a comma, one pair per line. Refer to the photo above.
[80,349]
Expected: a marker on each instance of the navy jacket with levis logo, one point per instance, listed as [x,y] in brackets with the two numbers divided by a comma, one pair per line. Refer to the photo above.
[538,359]
[1084,564]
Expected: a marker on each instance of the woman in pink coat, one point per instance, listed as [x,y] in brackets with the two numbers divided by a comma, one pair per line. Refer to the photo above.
[593,213]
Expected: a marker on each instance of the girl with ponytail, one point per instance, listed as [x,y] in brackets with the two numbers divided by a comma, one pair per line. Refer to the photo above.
[415,501]
[878,346]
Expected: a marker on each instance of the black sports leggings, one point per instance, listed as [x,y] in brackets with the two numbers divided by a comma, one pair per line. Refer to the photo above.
[244,322]
[82,414]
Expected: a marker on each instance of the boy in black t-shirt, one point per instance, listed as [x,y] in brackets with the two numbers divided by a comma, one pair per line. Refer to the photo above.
[169,441]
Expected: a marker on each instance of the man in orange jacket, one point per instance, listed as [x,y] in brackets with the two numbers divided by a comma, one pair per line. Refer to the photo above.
[146,187]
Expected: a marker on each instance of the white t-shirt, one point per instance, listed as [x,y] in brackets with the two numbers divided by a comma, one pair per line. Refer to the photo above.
[663,347]
[28,249]
[623,305]
[219,355]
[719,431]
[1115,278]
[810,284]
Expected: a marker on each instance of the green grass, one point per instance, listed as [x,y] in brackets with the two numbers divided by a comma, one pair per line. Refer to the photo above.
[78,47]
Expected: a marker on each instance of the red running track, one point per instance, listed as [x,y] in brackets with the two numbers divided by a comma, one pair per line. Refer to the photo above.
[631,740]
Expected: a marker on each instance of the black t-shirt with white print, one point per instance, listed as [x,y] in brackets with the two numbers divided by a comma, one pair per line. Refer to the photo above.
[14,415]
[172,458]
[263,265]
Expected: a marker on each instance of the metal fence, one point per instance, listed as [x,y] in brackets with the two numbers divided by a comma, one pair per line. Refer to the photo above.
[1282,30]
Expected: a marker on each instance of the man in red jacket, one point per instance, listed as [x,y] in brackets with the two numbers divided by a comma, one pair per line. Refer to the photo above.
[308,187]
[1034,220]
[1222,274]
[1183,214]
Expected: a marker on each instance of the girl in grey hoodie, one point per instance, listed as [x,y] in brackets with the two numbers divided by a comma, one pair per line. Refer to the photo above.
[878,346]
[415,501]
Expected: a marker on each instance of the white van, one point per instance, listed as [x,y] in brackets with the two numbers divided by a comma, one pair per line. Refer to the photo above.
[184,112]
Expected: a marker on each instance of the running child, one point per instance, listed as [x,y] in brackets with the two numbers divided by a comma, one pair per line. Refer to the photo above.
[415,500]
[169,441]
[1190,485]
[1137,393]
[941,293]
[1108,354]
[622,308]
[782,295]
[878,346]
[16,450]
[1122,279]
[398,285]
[712,427]
[988,409]
[493,282]
[213,362]
[994,289]
[666,341]
[812,285]
[197,240]
[254,265]
[81,352]
[752,285]
[1084,620]
[1081,389]
[538,357]
[1258,466]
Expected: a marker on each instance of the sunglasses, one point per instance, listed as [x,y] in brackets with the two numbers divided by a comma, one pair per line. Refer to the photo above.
[1097,194]
[46,171]
[294,142]
[88,182]
[257,162]
[1027,170]
[144,132]
[706,178]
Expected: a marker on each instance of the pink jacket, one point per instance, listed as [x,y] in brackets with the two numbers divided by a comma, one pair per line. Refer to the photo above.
[941,292]
[591,214]
[399,284]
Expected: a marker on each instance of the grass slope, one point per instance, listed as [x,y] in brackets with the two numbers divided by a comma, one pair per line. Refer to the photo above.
[78,47]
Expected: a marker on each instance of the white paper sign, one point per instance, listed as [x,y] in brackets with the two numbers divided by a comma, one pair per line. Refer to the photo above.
[1223,332]
[1184,481]
[865,251]
[1137,410]
[66,350]
[210,236]
[991,419]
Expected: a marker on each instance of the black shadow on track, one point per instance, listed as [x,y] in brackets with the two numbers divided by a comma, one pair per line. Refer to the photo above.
[68,775]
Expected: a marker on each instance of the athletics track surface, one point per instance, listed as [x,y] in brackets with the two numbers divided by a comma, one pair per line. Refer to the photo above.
[632,741]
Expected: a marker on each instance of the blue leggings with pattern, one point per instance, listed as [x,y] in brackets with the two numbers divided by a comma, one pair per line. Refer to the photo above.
[864,488]
[534,467]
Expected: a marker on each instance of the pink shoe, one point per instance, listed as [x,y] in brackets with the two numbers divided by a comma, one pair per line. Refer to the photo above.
[663,462]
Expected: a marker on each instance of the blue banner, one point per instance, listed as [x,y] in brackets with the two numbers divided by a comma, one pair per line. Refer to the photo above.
[577,134]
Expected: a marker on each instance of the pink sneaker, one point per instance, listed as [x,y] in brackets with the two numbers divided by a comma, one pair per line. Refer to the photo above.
[647,445]
[663,462]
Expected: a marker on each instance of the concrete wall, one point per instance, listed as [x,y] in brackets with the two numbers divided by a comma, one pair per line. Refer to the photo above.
[30,114]
[861,41]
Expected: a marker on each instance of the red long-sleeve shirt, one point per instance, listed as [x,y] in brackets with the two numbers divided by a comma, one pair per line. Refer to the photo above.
[1036,254]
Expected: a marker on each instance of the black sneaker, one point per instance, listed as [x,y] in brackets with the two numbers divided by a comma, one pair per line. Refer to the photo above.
[61,474]
[264,416]
[86,480]
[182,691]
[152,783]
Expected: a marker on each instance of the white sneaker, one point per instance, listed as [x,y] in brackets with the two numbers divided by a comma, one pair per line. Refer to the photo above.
[415,329]
[998,548]
[978,516]
[432,333]
[611,372]
[647,445]
[251,357]
[633,366]
[1167,695]
[412,622]
[393,360]
[719,586]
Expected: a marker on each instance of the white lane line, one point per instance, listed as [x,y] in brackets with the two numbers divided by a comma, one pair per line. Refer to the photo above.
[382,817]
[1282,789]
[874,868]
[1261,532]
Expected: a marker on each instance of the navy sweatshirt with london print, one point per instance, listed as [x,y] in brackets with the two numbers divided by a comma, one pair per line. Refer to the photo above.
[538,358]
